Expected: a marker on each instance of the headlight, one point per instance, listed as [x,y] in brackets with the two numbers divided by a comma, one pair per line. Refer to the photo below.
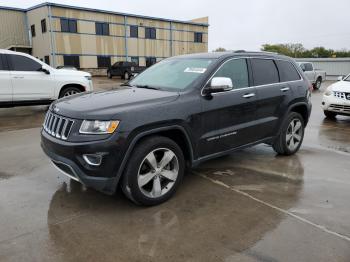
[328,92]
[88,78]
[98,127]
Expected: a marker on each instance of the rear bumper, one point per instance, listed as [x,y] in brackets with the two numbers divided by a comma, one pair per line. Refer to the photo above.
[67,158]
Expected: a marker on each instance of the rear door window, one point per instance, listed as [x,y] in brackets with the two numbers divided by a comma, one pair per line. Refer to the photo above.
[23,63]
[264,71]
[287,71]
[308,67]
[3,63]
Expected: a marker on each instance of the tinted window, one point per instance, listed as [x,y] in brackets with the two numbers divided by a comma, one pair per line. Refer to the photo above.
[150,33]
[287,71]
[68,25]
[71,61]
[43,26]
[150,61]
[102,28]
[264,71]
[32,30]
[23,63]
[135,60]
[236,69]
[198,37]
[134,31]
[103,61]
[3,63]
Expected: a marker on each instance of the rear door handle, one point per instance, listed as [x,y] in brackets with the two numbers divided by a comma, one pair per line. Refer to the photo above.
[248,95]
[285,89]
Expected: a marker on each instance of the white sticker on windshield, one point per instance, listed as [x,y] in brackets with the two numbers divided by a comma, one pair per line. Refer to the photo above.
[197,70]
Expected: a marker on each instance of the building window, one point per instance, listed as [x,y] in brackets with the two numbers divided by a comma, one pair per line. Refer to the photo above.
[71,60]
[150,33]
[134,31]
[47,59]
[102,28]
[69,25]
[32,29]
[135,60]
[198,37]
[150,61]
[103,61]
[43,26]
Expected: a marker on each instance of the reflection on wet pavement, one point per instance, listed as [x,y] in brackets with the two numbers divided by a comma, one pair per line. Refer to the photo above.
[249,206]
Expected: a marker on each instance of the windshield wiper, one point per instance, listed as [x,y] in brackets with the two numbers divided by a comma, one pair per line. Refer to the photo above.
[126,84]
[147,87]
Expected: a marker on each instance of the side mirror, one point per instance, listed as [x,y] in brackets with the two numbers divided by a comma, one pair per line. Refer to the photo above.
[340,78]
[219,84]
[45,70]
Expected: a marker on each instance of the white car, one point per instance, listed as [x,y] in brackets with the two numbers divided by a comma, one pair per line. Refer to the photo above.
[26,80]
[336,99]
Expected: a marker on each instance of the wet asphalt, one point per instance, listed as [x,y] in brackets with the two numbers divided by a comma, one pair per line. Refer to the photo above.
[249,206]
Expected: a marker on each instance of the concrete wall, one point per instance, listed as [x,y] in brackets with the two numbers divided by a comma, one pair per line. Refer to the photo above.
[334,67]
[13,29]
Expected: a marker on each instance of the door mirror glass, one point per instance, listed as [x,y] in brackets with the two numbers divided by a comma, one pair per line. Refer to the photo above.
[220,84]
[340,78]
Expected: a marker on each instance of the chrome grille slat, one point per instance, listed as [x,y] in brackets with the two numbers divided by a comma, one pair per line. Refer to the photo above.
[57,126]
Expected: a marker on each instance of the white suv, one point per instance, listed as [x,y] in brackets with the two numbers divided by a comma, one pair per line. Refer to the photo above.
[336,99]
[27,80]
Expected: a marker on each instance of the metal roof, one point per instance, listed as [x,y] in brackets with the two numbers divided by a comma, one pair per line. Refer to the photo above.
[101,11]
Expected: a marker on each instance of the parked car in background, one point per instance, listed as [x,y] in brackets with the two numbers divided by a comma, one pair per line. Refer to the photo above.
[67,67]
[124,69]
[313,75]
[180,112]
[336,98]
[27,80]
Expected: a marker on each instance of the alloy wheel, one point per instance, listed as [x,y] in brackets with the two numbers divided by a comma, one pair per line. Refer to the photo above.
[70,92]
[294,134]
[158,172]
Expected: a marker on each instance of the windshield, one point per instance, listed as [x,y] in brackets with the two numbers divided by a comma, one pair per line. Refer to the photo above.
[172,74]
[347,78]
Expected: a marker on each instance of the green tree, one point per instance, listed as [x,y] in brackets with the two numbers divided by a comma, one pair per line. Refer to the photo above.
[219,49]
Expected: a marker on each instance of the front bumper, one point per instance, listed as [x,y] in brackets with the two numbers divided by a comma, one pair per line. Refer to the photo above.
[334,104]
[68,158]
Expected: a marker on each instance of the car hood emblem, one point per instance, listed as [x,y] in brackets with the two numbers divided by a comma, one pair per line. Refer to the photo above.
[56,109]
[348,96]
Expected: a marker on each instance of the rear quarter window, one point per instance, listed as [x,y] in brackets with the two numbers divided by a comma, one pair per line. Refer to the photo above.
[264,71]
[287,71]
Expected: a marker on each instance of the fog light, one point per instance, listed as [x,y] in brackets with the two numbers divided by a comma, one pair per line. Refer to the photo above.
[93,159]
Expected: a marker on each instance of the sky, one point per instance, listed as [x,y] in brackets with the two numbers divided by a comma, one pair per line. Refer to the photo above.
[243,24]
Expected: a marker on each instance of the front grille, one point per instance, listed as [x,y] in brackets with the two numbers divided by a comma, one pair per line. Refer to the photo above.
[57,126]
[342,95]
[339,108]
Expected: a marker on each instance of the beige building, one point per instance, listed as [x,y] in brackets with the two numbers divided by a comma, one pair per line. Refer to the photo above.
[93,39]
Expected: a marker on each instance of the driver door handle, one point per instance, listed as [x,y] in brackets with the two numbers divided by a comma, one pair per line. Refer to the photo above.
[248,95]
[285,89]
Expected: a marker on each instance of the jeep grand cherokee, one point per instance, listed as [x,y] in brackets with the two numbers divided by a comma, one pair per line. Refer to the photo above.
[176,114]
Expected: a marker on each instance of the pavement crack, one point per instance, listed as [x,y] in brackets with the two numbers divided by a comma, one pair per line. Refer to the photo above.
[301,219]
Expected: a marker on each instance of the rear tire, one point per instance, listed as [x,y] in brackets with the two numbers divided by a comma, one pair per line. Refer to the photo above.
[318,83]
[109,75]
[154,171]
[291,135]
[69,91]
[329,114]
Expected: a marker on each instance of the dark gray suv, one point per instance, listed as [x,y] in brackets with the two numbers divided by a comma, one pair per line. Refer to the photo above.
[176,114]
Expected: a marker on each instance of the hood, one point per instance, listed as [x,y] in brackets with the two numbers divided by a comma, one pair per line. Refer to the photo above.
[341,86]
[109,105]
[67,72]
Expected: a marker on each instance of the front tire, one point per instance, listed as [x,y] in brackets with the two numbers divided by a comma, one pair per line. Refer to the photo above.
[318,83]
[69,91]
[291,135]
[109,75]
[126,75]
[329,114]
[154,171]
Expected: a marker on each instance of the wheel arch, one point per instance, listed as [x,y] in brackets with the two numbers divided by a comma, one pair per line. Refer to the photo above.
[64,87]
[302,109]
